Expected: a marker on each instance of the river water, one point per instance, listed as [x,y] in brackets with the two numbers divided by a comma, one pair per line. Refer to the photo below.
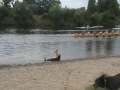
[32,48]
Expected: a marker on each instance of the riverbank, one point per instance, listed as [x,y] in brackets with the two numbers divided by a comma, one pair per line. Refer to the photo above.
[64,75]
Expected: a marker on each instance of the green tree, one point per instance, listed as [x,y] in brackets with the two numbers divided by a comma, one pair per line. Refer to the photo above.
[96,18]
[91,6]
[118,20]
[114,7]
[79,16]
[30,1]
[4,12]
[68,18]
[102,4]
[32,5]
[55,15]
[108,20]
[43,6]
[108,5]
[23,15]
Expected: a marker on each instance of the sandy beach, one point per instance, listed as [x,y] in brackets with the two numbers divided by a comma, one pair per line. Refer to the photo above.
[63,75]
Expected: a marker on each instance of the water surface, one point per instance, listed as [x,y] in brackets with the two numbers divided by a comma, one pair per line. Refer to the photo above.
[32,48]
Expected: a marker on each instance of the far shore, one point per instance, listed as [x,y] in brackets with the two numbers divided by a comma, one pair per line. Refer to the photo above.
[63,75]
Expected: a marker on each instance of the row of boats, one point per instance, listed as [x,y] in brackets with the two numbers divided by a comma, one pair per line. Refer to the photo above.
[115,32]
[95,34]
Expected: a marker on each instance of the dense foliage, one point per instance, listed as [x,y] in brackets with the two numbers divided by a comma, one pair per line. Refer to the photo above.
[48,14]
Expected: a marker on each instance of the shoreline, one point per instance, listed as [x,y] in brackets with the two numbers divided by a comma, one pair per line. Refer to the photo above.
[58,62]
[63,75]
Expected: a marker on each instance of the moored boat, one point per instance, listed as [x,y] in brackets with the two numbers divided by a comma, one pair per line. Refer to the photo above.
[95,35]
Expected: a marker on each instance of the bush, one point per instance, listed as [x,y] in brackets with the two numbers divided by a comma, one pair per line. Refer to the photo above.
[8,22]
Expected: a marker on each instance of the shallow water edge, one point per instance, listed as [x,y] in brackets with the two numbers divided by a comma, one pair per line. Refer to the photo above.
[53,63]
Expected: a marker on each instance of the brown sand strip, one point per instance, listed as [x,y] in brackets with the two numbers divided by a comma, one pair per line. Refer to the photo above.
[69,75]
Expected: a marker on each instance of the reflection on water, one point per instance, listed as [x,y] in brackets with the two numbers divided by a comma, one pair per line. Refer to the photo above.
[22,49]
[100,46]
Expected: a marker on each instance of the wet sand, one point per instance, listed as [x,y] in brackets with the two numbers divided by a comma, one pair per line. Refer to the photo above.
[63,75]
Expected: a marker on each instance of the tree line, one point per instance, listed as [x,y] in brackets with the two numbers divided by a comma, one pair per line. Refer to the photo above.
[48,14]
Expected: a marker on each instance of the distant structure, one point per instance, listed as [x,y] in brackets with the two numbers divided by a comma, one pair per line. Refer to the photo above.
[117,27]
[88,27]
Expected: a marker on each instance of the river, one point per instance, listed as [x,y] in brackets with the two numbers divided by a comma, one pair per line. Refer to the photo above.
[32,48]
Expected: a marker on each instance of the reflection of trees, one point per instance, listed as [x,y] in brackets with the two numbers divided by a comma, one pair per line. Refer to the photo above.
[97,46]
[89,45]
[109,46]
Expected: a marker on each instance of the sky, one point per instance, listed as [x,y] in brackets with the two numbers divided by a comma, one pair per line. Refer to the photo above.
[76,3]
